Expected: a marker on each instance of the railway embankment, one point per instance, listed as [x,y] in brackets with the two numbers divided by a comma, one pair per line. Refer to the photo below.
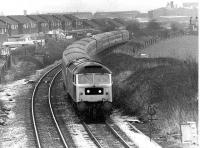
[166,82]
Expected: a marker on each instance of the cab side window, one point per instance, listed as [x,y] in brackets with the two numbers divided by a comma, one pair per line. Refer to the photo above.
[74,79]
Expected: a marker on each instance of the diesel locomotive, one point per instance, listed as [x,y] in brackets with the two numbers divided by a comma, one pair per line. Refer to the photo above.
[89,82]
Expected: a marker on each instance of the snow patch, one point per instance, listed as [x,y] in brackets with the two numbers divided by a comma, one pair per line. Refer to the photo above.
[11,90]
[141,140]
[80,136]
[14,137]
[11,115]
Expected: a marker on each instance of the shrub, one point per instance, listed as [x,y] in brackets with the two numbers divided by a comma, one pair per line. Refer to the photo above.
[54,49]
[168,84]
[175,26]
[108,28]
[24,50]
[135,29]
[153,25]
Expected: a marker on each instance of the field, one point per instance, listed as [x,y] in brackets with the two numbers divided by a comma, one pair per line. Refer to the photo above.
[167,81]
[185,48]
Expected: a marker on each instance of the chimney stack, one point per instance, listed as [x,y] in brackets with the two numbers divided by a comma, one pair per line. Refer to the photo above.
[25,12]
[172,4]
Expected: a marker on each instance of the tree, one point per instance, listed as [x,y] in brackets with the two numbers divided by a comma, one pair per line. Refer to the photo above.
[108,28]
[175,26]
[134,29]
[153,25]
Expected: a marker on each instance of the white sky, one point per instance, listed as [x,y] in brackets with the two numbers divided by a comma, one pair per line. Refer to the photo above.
[11,7]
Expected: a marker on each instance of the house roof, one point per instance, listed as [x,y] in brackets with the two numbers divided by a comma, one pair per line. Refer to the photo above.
[71,17]
[101,22]
[21,18]
[37,18]
[2,25]
[48,17]
[8,20]
[91,23]
[113,22]
[61,17]
[82,15]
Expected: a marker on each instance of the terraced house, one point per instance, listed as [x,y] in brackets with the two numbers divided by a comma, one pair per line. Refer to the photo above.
[53,23]
[76,22]
[11,25]
[42,24]
[3,28]
[65,22]
[3,32]
[25,25]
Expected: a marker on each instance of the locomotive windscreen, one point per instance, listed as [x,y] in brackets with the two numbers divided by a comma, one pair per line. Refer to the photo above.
[94,78]
[85,79]
[101,79]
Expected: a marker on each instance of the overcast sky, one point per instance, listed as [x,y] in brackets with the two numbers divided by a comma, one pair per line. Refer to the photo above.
[11,7]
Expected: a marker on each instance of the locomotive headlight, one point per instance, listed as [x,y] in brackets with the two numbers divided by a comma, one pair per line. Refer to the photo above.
[100,91]
[88,91]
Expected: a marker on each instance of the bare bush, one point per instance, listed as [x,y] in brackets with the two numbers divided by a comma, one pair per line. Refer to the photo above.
[168,84]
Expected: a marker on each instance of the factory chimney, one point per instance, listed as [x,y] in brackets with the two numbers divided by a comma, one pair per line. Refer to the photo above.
[25,12]
[172,4]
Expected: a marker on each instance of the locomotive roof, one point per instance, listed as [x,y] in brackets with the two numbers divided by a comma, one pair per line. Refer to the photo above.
[88,66]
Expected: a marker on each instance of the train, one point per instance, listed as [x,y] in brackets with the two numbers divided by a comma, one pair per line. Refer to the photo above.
[87,81]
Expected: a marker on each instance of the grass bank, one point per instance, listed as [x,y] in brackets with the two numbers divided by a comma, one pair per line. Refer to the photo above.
[168,84]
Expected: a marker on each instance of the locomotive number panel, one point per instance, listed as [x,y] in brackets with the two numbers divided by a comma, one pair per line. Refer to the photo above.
[94,91]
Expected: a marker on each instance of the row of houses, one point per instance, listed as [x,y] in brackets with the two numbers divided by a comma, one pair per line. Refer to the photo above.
[27,24]
[24,24]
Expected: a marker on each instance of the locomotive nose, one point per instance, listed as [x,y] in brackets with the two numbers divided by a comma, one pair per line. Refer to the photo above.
[107,106]
[82,106]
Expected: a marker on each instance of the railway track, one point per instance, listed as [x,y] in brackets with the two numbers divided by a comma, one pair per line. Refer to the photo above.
[104,134]
[54,119]
[107,135]
[46,133]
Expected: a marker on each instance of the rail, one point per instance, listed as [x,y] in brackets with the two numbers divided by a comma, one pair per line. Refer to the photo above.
[117,135]
[91,135]
[33,108]
[52,112]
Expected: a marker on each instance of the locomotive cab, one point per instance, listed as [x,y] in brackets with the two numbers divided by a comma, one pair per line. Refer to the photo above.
[92,85]
[94,88]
